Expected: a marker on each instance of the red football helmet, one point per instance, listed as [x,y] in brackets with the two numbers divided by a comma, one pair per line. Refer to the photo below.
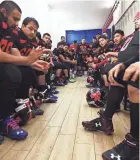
[93,98]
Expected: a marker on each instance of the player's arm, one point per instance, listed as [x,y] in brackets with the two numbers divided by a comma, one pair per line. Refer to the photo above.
[109,54]
[15,52]
[9,58]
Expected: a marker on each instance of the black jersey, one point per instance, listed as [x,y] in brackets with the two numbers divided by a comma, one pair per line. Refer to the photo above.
[6,35]
[24,44]
[130,47]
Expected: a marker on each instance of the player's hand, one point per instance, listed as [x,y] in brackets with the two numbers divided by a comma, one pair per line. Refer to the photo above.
[47,51]
[34,55]
[115,71]
[132,71]
[41,65]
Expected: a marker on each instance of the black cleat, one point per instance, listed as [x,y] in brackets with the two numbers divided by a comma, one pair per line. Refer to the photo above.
[128,149]
[99,124]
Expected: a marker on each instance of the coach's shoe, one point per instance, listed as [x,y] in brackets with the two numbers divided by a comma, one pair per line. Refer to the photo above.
[12,130]
[128,149]
[99,124]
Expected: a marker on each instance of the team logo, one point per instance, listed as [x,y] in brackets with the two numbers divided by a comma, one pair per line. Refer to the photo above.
[118,157]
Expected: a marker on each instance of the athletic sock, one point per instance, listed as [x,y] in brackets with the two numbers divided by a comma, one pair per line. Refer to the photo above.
[134,120]
[115,97]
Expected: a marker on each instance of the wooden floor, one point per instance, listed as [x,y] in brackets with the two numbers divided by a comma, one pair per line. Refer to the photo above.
[59,135]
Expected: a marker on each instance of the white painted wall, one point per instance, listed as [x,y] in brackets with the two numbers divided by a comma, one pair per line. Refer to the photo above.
[35,8]
[127,22]
[62,20]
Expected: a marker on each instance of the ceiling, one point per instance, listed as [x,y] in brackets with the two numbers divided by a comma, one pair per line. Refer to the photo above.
[99,9]
[92,5]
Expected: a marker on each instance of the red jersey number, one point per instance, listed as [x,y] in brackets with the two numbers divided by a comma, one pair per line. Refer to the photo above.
[5,45]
